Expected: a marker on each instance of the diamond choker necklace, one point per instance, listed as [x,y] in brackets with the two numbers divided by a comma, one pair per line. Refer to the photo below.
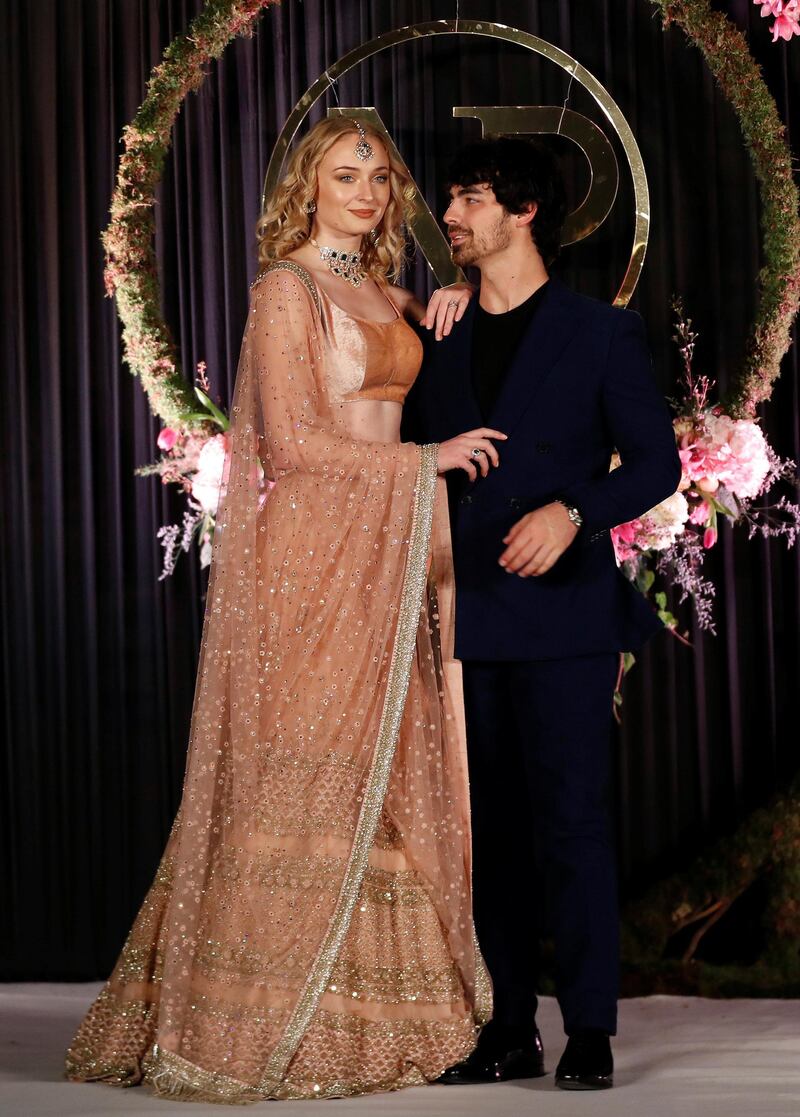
[347,265]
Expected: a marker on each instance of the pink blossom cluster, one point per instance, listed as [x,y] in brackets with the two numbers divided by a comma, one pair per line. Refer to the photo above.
[723,451]
[718,455]
[657,530]
[786,14]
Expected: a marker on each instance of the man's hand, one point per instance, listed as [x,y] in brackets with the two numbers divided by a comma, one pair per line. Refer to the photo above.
[538,540]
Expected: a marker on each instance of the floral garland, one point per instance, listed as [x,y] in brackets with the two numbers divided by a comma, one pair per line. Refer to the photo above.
[193,441]
[739,77]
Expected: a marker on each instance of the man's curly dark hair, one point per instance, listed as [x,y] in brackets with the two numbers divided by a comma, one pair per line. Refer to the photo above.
[519,172]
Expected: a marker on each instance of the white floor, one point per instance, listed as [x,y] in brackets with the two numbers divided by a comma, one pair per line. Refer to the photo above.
[675,1057]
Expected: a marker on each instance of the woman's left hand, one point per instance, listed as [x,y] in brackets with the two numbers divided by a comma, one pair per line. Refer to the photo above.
[447,306]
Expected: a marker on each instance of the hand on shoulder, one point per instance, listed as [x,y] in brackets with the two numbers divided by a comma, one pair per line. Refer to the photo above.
[447,306]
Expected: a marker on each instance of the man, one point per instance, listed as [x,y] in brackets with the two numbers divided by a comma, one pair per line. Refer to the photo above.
[542,612]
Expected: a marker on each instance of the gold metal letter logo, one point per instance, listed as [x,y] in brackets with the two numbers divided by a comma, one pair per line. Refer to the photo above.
[526,119]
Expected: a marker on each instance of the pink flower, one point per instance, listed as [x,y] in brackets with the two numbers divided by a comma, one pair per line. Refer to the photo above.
[623,537]
[207,481]
[699,458]
[709,537]
[167,437]
[699,514]
[686,481]
[655,531]
[742,454]
[786,14]
[785,26]
[724,451]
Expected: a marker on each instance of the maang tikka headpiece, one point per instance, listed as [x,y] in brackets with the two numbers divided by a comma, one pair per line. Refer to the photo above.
[363,149]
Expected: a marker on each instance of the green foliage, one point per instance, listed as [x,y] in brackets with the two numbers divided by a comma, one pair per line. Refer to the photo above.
[765,849]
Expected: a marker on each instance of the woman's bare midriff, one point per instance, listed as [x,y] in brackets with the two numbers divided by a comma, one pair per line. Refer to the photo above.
[373,420]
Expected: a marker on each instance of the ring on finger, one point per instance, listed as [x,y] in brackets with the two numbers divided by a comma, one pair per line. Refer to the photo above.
[453,302]
[476,453]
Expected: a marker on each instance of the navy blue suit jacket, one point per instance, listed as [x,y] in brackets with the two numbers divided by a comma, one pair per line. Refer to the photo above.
[580,386]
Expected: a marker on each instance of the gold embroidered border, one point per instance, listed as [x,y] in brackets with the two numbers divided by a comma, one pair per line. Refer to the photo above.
[454,1039]
[410,1077]
[297,270]
[378,779]
[397,984]
[128,1020]
[484,994]
[174,1077]
[380,886]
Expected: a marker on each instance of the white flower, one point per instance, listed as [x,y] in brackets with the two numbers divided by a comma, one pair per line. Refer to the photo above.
[207,482]
[662,525]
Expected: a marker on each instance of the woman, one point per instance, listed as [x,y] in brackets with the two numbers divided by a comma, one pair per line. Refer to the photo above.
[309,931]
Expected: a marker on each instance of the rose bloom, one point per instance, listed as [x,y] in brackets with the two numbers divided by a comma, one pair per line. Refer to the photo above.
[207,482]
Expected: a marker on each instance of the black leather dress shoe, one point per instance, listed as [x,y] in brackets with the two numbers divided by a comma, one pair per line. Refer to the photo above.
[587,1063]
[498,1057]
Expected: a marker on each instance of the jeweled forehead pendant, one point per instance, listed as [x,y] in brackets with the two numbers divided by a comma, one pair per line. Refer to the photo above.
[363,149]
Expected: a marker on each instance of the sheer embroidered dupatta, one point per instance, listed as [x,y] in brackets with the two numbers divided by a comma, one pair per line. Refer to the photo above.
[309,931]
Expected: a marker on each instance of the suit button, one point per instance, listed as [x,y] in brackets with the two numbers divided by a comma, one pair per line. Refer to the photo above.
[544,447]
[514,503]
[467,499]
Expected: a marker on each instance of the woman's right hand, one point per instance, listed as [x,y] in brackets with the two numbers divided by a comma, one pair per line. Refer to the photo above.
[457,453]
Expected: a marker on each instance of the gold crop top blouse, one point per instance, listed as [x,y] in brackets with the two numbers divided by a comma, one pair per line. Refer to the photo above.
[366,359]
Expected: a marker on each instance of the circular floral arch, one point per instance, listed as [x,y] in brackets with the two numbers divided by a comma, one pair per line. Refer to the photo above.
[131,273]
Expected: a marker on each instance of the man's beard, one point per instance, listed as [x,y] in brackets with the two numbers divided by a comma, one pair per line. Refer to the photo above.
[476,247]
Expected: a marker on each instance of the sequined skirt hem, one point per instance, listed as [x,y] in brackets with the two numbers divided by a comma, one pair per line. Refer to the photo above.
[170,1076]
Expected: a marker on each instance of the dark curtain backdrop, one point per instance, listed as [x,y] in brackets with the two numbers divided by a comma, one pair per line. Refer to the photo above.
[98,656]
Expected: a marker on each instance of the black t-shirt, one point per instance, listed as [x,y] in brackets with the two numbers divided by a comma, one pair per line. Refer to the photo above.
[495,338]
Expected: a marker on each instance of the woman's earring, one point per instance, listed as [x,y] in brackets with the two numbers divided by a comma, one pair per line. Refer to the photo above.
[374,235]
[310,207]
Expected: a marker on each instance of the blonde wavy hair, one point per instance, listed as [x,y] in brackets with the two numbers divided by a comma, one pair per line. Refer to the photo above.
[284,225]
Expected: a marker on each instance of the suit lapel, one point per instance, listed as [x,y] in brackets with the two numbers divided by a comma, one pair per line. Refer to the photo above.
[553,326]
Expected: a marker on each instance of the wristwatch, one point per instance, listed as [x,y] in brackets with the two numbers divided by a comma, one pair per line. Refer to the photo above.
[575,517]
